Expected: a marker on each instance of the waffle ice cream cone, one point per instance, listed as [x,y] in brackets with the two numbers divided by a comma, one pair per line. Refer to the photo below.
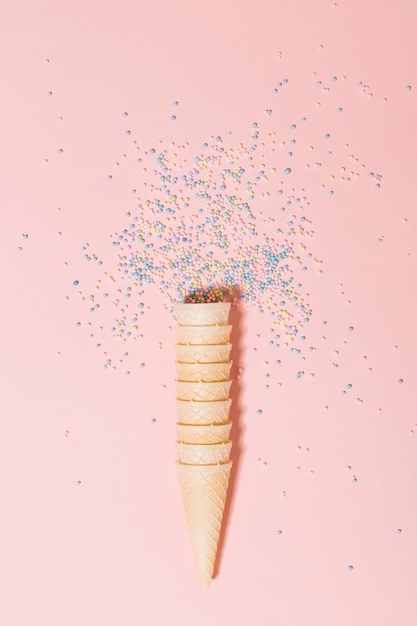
[213,314]
[203,489]
[203,335]
[203,392]
[203,453]
[203,372]
[203,426]
[211,412]
[203,434]
[217,353]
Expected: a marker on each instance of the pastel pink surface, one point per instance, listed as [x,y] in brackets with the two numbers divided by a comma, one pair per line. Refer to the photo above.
[93,526]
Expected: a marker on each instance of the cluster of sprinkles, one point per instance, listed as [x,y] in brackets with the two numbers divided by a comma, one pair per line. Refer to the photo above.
[221,215]
[198,226]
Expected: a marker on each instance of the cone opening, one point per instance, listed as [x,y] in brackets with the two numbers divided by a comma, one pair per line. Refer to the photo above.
[212,466]
[187,383]
[211,403]
[207,425]
[219,445]
[198,426]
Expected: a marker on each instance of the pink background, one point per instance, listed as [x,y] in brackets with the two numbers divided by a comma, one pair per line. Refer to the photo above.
[321,523]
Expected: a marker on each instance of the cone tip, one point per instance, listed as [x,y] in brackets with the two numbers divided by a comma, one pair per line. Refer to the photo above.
[205,579]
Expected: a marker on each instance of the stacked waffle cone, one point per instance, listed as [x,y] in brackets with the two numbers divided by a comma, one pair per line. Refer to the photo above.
[203,426]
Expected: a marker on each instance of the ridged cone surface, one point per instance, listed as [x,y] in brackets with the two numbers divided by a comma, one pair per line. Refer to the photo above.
[203,490]
[203,434]
[203,404]
[203,392]
[203,372]
[203,335]
[204,454]
[218,353]
[204,314]
[189,412]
